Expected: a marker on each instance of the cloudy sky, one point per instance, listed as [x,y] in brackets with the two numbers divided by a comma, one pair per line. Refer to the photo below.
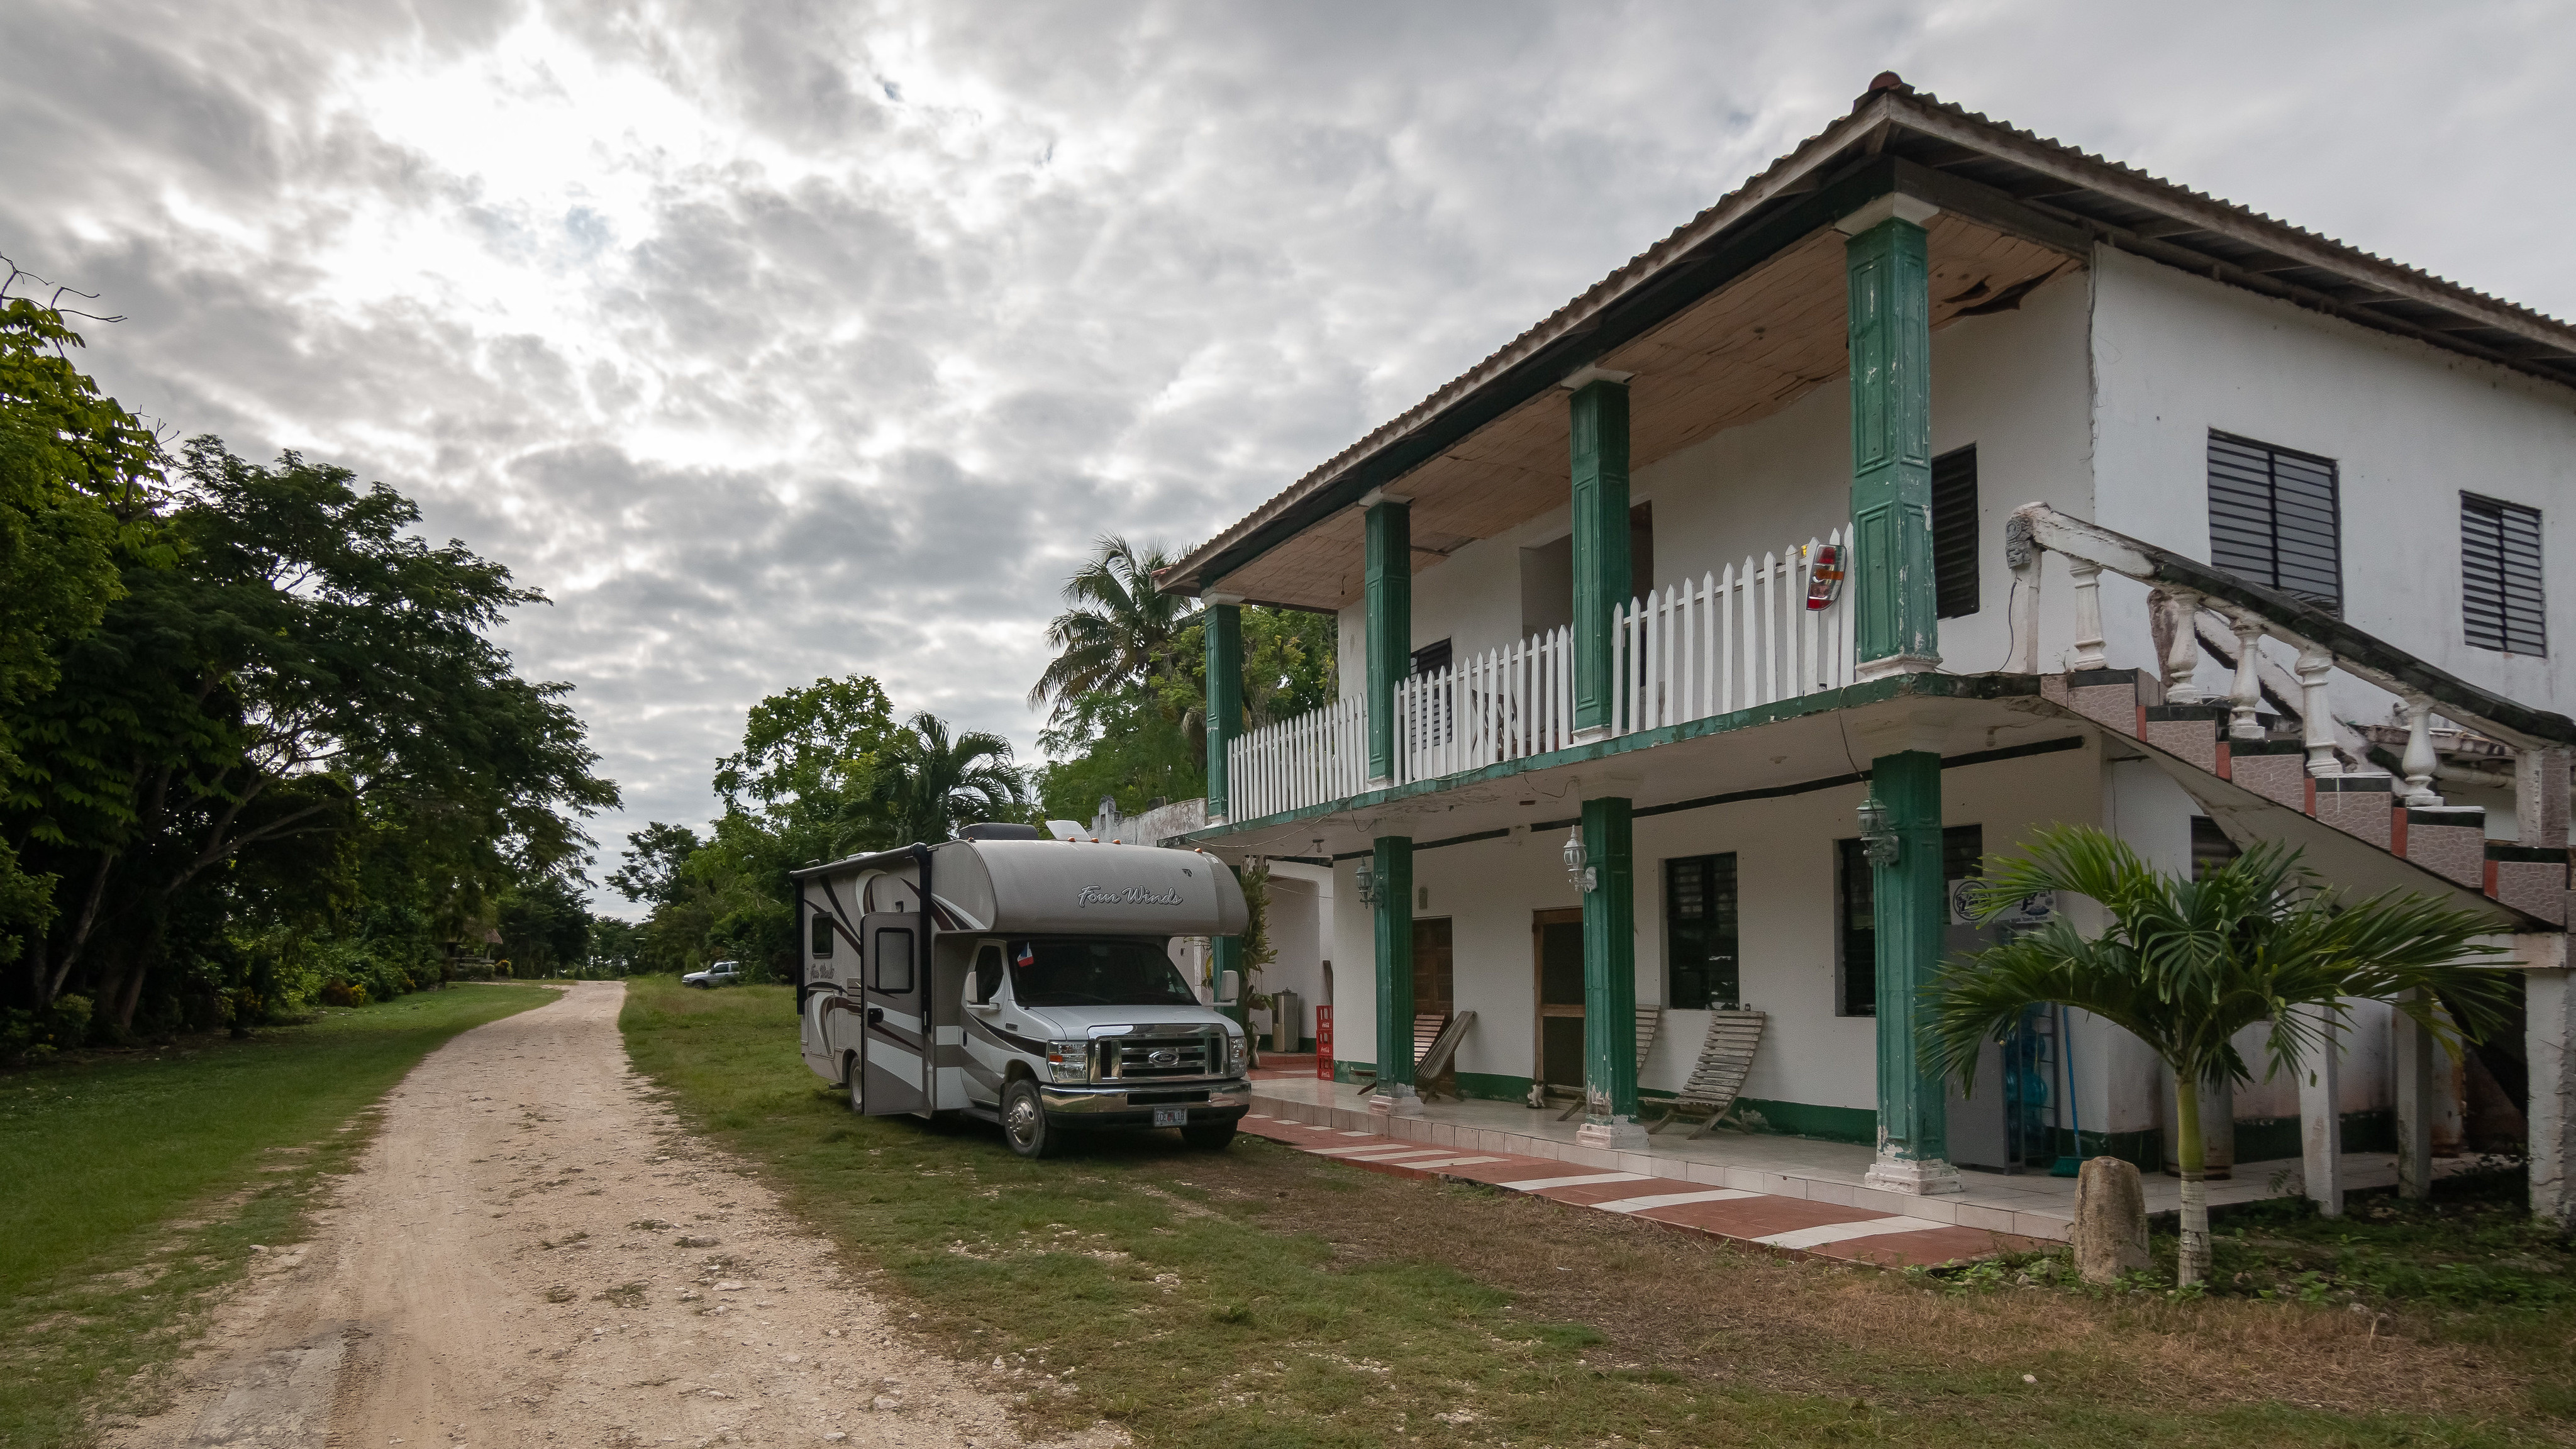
[785,340]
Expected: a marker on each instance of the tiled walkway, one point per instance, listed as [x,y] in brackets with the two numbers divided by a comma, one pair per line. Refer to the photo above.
[1789,1224]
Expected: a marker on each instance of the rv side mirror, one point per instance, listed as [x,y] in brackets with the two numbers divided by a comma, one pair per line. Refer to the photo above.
[1229,987]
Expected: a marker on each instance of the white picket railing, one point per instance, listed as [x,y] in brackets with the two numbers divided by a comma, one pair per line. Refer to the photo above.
[1732,640]
[1318,756]
[1501,705]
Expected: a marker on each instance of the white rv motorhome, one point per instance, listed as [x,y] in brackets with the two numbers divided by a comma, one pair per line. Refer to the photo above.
[1023,980]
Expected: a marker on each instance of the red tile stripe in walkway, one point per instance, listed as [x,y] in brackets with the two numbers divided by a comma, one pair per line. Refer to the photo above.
[1789,1224]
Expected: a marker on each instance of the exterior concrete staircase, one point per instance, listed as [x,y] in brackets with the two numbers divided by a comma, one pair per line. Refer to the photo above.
[2447,842]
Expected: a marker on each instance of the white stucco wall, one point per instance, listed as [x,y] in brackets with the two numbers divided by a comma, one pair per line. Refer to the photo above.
[1301,907]
[2410,428]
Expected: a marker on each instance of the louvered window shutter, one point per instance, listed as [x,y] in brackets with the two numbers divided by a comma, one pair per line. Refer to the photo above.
[1954,532]
[2275,520]
[2500,596]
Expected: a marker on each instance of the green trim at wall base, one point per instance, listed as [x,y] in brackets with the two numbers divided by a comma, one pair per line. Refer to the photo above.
[1346,1070]
[2266,1139]
[1857,1125]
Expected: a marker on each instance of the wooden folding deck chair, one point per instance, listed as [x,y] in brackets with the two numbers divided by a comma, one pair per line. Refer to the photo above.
[1650,1022]
[1723,1060]
[1435,1042]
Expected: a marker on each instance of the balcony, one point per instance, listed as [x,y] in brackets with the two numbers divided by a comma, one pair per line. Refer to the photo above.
[1766,630]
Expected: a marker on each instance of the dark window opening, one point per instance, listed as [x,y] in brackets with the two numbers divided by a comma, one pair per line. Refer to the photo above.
[1431,658]
[894,961]
[2501,601]
[2210,847]
[1954,532]
[2275,519]
[1092,972]
[822,934]
[1855,910]
[988,972]
[1700,967]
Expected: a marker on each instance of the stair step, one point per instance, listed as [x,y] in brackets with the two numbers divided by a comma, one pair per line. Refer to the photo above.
[2448,840]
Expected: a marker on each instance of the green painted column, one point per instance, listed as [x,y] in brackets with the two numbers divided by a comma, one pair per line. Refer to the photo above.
[1610,976]
[1390,623]
[1911,911]
[1224,630]
[1599,428]
[1889,276]
[1393,861]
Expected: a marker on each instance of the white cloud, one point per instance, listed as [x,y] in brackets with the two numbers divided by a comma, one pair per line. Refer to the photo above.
[783,341]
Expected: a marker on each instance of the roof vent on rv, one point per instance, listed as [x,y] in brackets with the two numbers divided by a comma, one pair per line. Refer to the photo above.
[996,830]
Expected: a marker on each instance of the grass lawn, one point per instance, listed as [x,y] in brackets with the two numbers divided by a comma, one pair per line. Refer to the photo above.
[137,1182]
[1262,1297]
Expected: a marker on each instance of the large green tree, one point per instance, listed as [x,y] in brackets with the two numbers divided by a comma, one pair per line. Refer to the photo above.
[2185,965]
[303,670]
[74,468]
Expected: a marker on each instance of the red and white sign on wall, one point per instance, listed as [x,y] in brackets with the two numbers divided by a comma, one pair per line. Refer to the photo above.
[1324,1042]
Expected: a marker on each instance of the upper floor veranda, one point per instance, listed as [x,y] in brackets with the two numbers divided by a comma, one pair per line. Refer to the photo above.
[1863,363]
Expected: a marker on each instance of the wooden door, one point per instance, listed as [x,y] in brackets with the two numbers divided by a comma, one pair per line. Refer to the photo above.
[1556,953]
[1435,992]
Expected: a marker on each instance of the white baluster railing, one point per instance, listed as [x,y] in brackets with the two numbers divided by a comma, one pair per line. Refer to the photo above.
[1319,755]
[1731,640]
[1504,704]
[1734,639]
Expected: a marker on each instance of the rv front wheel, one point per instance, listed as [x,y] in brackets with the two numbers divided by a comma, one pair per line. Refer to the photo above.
[1024,1122]
[850,1076]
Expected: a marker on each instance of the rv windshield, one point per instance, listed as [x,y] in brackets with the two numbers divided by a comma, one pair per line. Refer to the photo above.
[1079,972]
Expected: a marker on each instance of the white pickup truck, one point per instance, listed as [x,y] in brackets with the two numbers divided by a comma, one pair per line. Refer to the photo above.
[1030,984]
[722,973]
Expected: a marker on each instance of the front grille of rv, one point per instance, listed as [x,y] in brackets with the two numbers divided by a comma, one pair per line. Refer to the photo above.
[1186,1056]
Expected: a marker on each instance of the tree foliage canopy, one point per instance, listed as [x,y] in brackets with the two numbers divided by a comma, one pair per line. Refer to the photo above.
[254,734]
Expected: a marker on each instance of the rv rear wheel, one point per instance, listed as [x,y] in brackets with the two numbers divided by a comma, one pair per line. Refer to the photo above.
[1208,1136]
[850,1077]
[1024,1121]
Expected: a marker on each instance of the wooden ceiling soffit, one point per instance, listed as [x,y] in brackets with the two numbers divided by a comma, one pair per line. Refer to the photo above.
[1736,357]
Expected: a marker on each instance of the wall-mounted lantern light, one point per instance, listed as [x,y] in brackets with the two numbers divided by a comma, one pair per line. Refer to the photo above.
[1583,876]
[1367,883]
[1878,840]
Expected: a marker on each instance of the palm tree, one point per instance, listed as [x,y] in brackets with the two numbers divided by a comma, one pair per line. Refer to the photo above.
[1118,619]
[2185,965]
[929,783]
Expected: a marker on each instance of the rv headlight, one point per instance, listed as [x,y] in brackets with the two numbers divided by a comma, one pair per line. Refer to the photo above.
[1069,1061]
[1234,1055]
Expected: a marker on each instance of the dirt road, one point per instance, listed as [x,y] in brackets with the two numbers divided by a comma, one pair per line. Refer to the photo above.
[534,1253]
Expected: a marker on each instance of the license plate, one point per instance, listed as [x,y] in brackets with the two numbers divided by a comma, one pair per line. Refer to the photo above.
[1171,1116]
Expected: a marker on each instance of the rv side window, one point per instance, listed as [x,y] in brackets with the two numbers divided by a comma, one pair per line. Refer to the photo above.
[988,972]
[822,934]
[894,961]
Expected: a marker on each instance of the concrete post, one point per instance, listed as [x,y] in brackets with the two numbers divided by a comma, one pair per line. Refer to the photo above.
[1393,863]
[1224,631]
[1887,273]
[2549,1041]
[1598,429]
[1912,916]
[1610,979]
[2320,1115]
[1389,636]
[2412,1058]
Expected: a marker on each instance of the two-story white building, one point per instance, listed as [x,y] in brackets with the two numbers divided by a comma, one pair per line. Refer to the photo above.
[1963,474]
